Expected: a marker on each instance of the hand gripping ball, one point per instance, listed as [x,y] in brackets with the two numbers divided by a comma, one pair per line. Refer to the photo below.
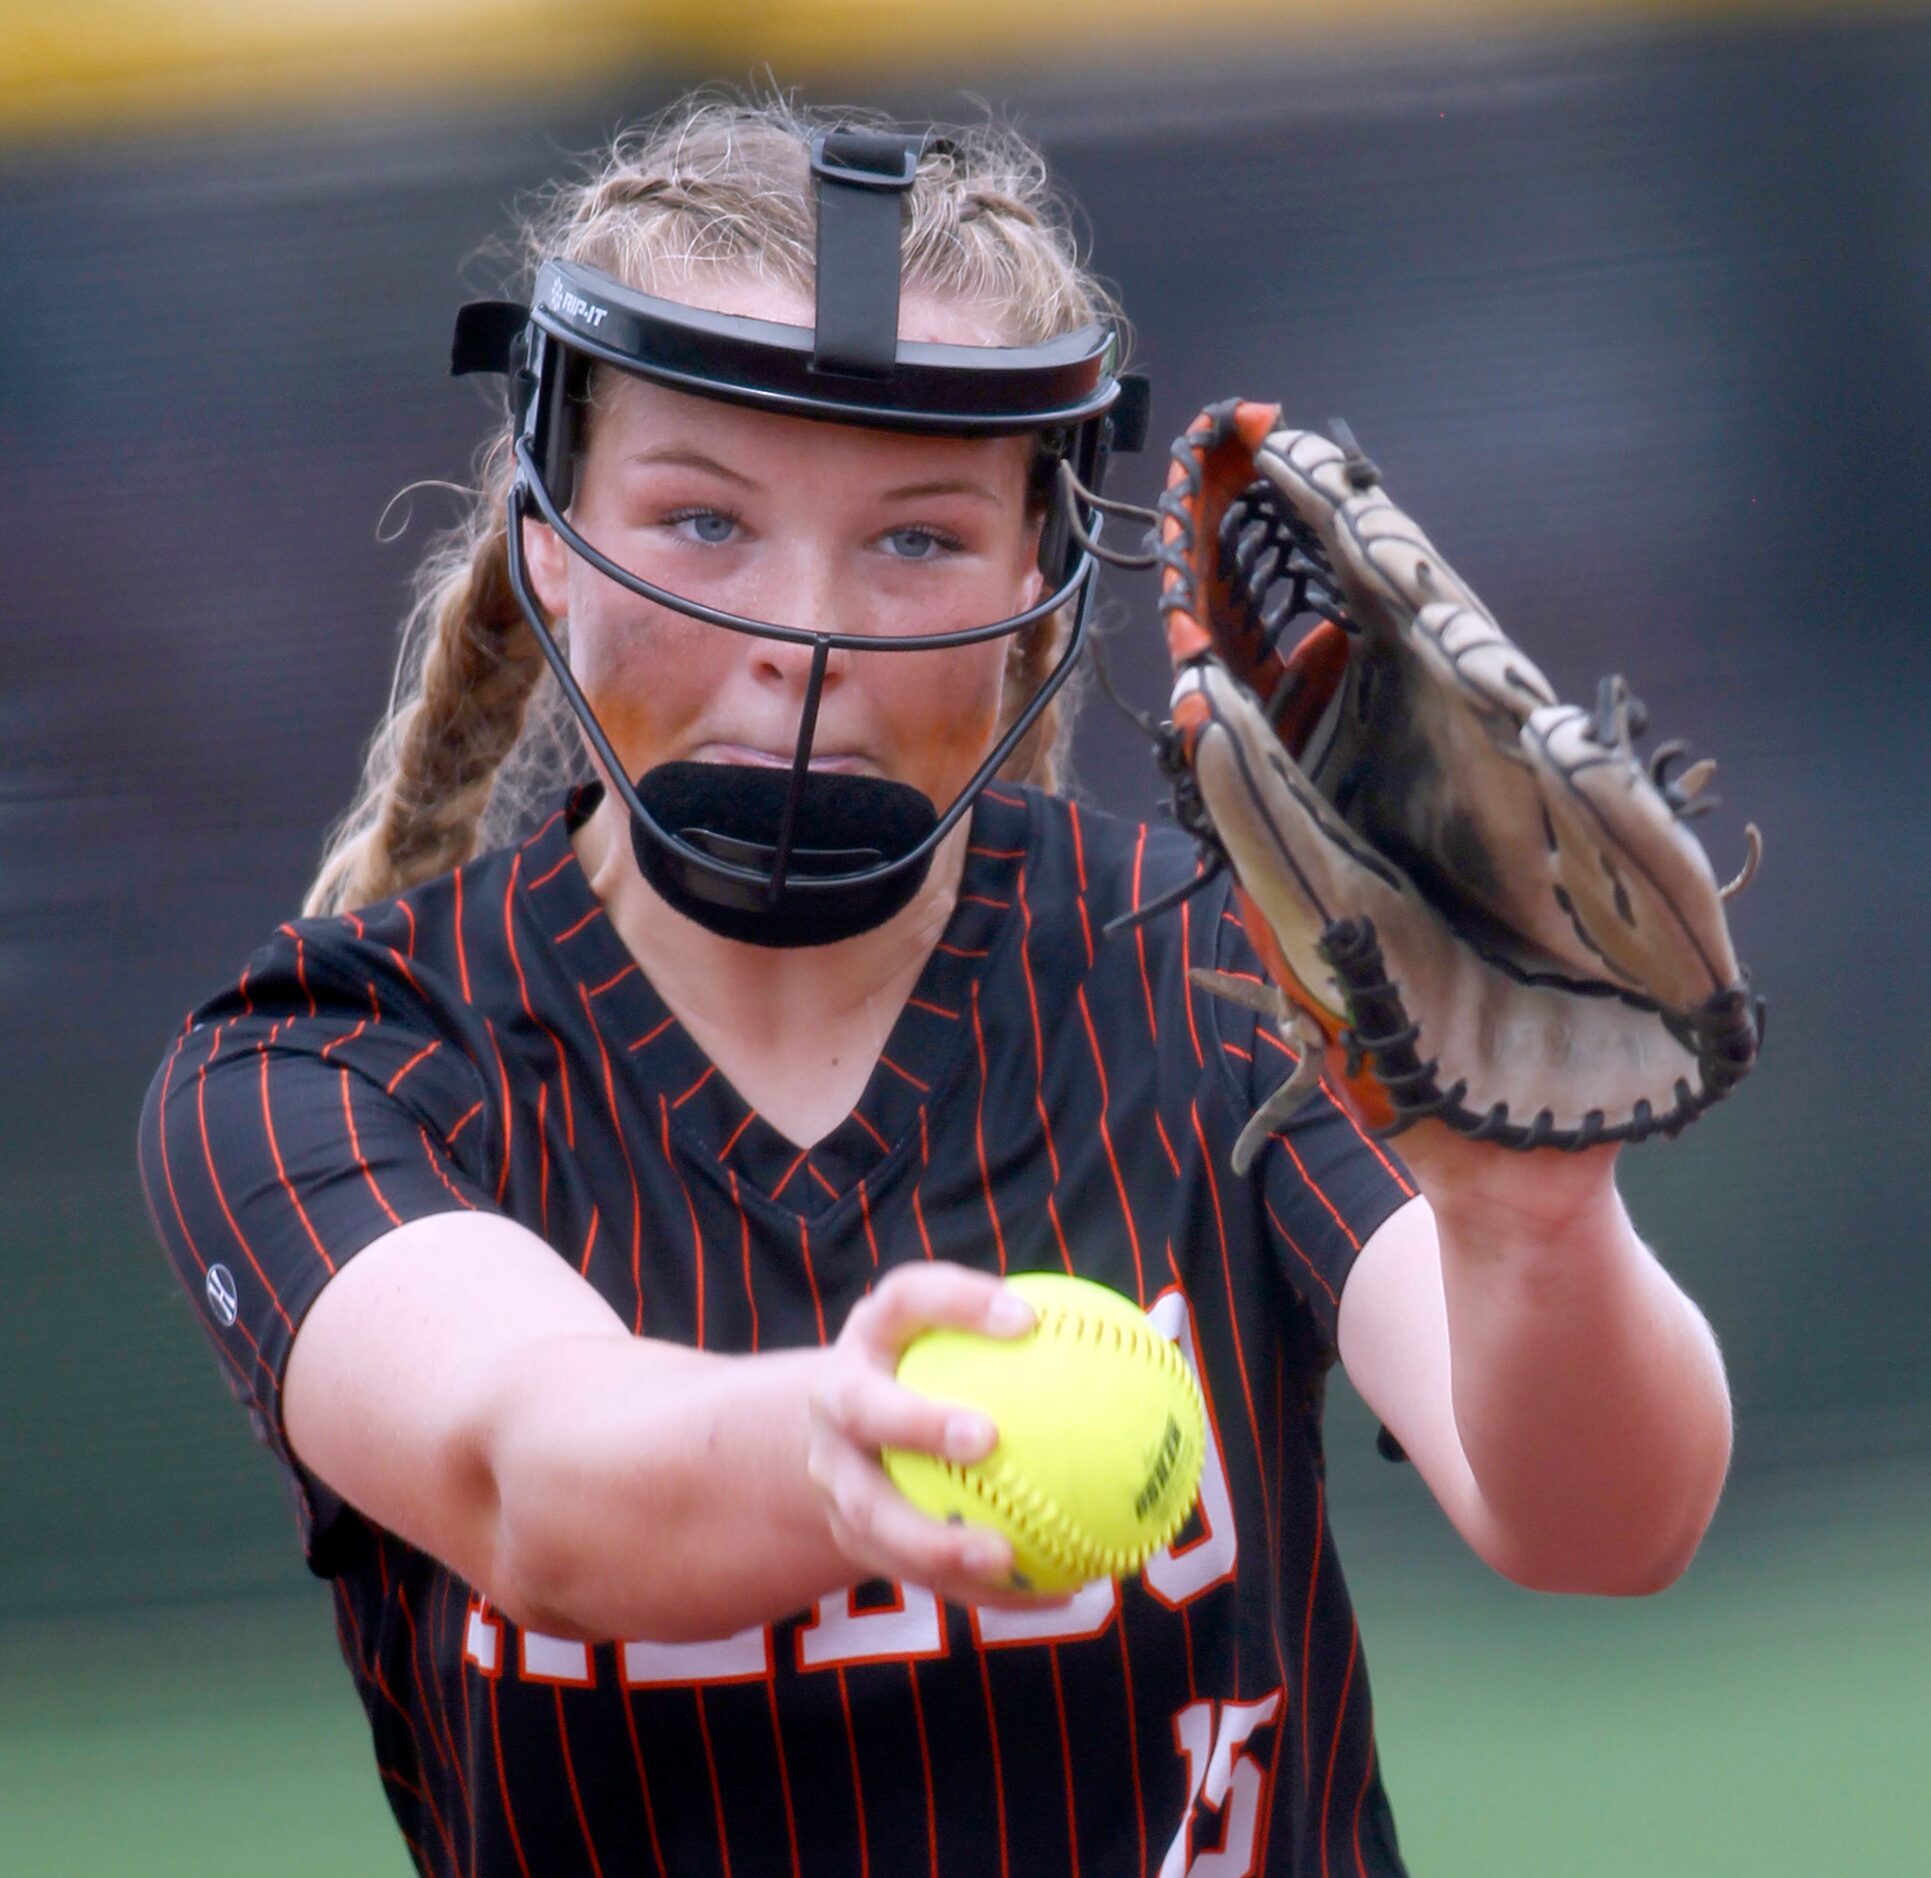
[1101,1433]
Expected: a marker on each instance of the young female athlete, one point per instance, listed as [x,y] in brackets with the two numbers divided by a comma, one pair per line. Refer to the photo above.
[560,1203]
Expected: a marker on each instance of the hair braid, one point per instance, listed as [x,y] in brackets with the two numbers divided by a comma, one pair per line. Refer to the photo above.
[470,664]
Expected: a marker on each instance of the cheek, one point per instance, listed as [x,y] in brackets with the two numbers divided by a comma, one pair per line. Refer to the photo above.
[943,708]
[643,669]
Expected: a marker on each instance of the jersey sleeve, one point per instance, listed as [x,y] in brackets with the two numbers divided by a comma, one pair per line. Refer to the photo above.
[298,1117]
[1323,1184]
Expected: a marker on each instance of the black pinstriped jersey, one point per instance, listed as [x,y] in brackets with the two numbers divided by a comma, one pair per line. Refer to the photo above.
[1048,1099]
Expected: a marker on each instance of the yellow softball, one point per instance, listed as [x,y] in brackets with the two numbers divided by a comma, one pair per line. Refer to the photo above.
[1101,1433]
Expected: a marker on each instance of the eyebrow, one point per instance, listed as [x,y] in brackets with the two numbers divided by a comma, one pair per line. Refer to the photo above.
[952,486]
[678,456]
[681,458]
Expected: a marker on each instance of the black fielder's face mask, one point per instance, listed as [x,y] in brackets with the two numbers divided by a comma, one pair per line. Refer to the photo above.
[797,856]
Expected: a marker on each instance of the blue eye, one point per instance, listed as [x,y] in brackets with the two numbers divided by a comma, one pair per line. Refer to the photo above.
[922,544]
[712,527]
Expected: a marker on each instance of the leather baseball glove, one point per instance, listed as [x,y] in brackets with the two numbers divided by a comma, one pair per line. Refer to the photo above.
[1475,903]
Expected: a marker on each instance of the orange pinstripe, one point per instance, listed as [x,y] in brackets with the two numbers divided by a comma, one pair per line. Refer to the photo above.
[1320,1193]
[784,1777]
[281,1172]
[543,1157]
[509,1111]
[750,1115]
[1334,1739]
[717,1793]
[1307,1622]
[355,1148]
[652,1034]
[428,1050]
[372,1672]
[522,986]
[1189,989]
[1133,1742]
[1361,1793]
[998,1770]
[750,1295]
[865,1213]
[643,1787]
[207,1153]
[697,1236]
[551,872]
[630,1170]
[576,1796]
[1039,1048]
[1173,1160]
[905,1075]
[1112,1159]
[342,1043]
[1314,1271]
[462,954]
[785,1179]
[436,1168]
[858,1786]
[925,1769]
[811,1278]
[979,1135]
[1066,1756]
[503,1784]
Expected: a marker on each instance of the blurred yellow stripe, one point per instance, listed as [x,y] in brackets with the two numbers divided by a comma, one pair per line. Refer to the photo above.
[92,64]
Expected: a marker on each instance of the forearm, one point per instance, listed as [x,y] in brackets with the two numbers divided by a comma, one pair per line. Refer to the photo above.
[1588,1391]
[649,1491]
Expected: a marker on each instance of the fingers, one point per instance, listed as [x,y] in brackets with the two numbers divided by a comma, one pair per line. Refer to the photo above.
[886,1537]
[912,1298]
[871,1411]
[858,1407]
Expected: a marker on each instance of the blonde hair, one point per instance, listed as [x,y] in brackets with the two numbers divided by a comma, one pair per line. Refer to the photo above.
[476,733]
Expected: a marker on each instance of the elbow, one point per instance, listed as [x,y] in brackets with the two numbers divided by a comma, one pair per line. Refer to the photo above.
[1626,1561]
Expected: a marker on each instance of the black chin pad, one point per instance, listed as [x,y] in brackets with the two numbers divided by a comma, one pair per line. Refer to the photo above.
[732,812]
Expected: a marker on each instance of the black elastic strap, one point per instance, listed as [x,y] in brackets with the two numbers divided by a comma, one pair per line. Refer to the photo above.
[1130,413]
[861,177]
[485,331]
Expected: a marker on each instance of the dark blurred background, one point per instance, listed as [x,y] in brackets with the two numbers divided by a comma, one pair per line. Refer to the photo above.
[1635,316]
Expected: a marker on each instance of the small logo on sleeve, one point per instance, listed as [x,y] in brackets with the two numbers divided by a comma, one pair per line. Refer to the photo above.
[222,1297]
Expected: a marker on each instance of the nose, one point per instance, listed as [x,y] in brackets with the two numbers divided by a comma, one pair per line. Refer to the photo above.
[806,595]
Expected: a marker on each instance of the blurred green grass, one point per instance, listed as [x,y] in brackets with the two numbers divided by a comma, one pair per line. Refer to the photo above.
[1769,1715]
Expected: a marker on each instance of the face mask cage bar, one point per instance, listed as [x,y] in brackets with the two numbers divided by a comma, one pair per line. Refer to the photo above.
[1066,391]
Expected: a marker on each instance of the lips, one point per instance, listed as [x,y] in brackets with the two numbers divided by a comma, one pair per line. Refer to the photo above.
[832,761]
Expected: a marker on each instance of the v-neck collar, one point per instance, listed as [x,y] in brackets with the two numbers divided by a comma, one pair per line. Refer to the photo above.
[689,1096]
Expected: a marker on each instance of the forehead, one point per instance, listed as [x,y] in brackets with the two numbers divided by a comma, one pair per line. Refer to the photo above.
[630,408]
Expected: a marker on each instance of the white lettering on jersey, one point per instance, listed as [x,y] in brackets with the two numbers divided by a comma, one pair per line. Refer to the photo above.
[1224,1778]
[483,1639]
[745,1657]
[1085,1614]
[841,1633]
[552,1659]
[1176,1577]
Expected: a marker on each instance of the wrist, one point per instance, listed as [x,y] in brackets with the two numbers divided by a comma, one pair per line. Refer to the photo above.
[1487,1197]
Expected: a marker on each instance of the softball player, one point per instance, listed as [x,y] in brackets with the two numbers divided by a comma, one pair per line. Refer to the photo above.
[560,1205]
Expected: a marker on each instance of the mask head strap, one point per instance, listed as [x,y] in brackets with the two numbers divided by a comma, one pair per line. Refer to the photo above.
[861,179]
